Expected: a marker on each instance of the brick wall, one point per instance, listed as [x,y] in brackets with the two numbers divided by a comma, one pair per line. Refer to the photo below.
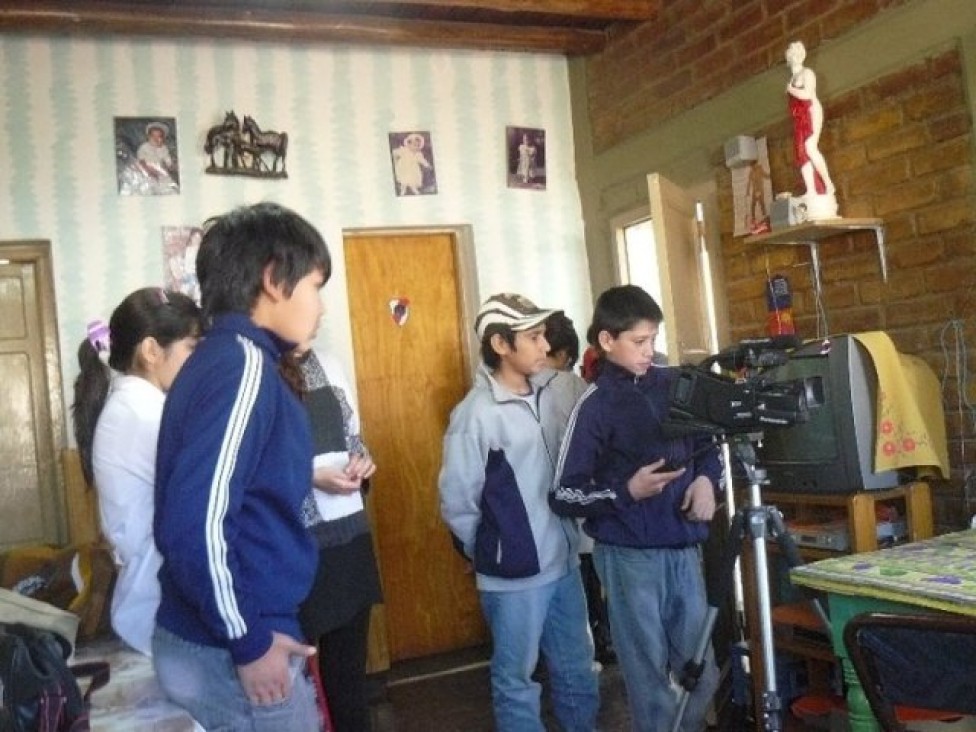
[899,149]
[696,49]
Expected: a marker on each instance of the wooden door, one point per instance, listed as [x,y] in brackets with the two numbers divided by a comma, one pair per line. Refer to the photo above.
[31,409]
[408,377]
[678,245]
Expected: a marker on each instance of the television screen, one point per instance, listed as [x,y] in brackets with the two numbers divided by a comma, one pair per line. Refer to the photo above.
[833,452]
[814,441]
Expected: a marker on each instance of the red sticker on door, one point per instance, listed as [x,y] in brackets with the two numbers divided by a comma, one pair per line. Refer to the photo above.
[400,310]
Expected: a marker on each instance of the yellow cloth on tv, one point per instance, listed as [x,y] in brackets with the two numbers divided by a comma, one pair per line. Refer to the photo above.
[910,429]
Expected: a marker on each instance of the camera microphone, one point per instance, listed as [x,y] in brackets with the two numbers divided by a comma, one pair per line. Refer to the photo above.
[769,359]
[782,342]
[757,353]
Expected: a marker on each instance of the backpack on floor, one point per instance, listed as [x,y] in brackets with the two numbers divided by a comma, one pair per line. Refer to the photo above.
[39,692]
[78,578]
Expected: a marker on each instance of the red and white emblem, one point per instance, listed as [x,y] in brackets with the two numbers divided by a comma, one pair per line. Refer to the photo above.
[400,310]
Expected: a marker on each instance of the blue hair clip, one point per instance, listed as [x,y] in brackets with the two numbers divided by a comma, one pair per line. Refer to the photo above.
[98,336]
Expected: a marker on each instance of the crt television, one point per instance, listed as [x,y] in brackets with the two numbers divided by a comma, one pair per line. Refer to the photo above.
[833,452]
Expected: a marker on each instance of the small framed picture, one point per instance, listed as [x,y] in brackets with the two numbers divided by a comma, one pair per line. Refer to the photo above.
[180,247]
[526,157]
[412,156]
[146,163]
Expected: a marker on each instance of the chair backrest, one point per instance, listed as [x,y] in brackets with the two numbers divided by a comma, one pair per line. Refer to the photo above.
[918,660]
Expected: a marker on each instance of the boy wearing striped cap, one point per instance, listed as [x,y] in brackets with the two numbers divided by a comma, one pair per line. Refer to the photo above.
[500,453]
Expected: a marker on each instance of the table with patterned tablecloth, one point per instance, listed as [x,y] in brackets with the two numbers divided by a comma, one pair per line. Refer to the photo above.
[937,574]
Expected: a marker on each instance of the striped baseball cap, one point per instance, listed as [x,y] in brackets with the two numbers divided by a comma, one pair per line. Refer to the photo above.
[509,309]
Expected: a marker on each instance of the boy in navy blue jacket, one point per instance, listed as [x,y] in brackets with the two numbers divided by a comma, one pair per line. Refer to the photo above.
[233,467]
[647,520]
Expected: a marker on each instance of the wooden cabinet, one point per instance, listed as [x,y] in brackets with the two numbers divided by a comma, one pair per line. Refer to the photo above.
[796,627]
[913,502]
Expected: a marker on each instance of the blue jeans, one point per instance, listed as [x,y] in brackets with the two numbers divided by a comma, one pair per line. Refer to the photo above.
[657,608]
[203,680]
[553,618]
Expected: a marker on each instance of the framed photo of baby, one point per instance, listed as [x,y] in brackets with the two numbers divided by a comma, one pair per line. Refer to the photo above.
[526,147]
[146,163]
[412,155]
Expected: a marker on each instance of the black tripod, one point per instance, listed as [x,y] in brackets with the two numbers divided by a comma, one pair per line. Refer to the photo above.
[756,522]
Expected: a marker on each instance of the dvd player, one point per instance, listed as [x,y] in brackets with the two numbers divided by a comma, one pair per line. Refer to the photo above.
[834,535]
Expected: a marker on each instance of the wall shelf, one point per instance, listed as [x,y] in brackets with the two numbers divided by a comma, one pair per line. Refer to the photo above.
[810,234]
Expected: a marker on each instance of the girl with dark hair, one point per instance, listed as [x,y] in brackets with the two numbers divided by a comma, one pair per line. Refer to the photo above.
[117,410]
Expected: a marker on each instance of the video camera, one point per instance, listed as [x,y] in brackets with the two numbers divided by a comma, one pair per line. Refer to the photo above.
[705,401]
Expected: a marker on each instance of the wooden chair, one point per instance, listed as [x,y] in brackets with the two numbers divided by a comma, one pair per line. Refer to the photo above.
[923,661]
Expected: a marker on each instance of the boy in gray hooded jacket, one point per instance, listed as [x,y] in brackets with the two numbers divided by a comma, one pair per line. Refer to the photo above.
[500,454]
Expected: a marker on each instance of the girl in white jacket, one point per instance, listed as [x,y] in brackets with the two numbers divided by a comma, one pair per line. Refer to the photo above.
[116,412]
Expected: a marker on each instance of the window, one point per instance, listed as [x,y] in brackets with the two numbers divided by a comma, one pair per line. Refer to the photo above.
[637,264]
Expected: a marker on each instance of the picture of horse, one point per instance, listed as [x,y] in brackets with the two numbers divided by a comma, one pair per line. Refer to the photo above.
[263,142]
[225,136]
[243,148]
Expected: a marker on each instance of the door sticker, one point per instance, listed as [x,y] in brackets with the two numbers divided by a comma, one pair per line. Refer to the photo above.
[400,310]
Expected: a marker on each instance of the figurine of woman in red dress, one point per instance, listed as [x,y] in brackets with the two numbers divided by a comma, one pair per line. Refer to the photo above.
[807,114]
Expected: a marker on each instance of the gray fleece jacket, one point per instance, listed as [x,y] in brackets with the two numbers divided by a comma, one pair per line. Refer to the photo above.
[500,453]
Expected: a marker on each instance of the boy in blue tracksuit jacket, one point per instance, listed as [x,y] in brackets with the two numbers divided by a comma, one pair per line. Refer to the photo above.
[500,454]
[233,466]
[646,499]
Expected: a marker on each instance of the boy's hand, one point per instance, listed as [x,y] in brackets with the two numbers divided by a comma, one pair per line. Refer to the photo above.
[268,679]
[649,480]
[699,501]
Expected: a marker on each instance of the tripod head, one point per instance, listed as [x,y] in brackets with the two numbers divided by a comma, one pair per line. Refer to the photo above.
[743,446]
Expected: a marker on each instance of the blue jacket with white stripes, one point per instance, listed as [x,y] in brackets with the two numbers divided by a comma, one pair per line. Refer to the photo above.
[233,465]
[614,430]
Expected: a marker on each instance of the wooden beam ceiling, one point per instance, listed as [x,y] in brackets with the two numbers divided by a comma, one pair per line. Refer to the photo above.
[571,27]
[606,9]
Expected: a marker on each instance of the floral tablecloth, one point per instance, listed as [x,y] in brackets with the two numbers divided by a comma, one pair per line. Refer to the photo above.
[938,573]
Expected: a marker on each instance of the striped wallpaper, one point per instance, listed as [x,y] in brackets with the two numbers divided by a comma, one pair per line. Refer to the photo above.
[59,95]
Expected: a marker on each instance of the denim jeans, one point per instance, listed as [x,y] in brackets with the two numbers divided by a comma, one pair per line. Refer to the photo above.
[551,618]
[657,608]
[203,680]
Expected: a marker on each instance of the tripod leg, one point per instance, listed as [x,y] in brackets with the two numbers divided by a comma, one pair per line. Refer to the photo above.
[720,591]
[694,668]
[770,706]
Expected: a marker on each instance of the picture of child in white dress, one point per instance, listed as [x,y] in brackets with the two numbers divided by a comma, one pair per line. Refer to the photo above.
[413,163]
[526,148]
